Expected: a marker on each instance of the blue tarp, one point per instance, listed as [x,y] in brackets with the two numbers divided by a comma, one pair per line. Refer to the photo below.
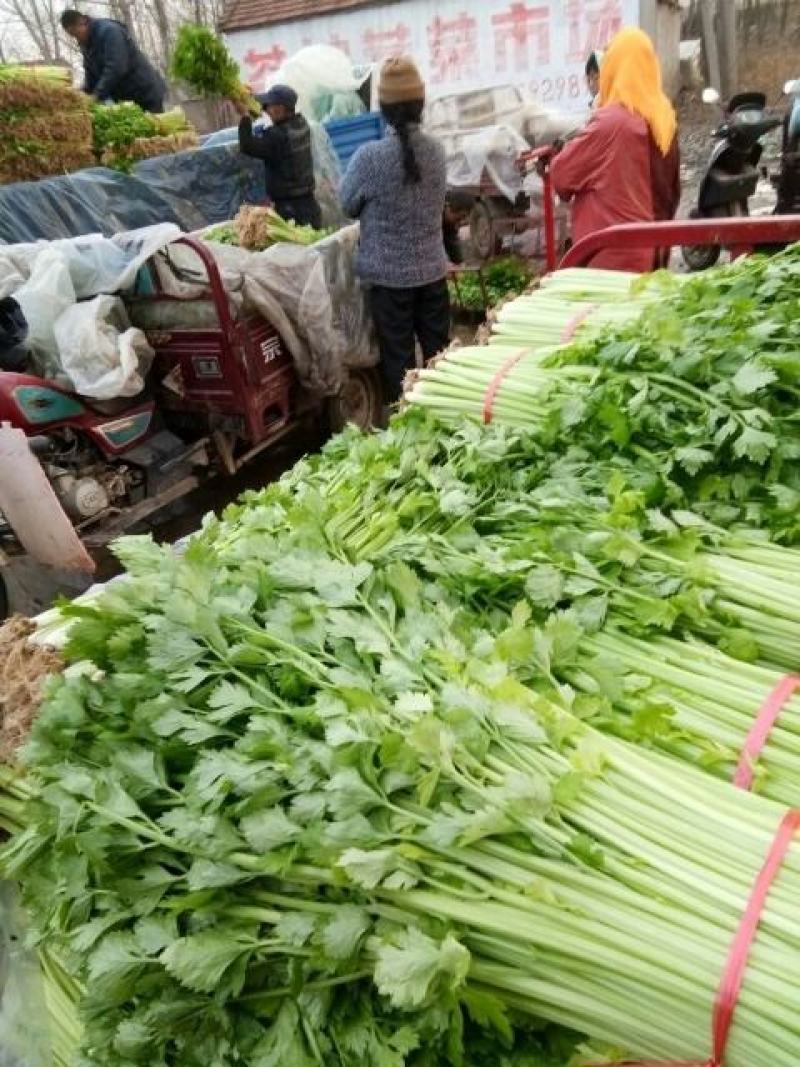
[193,189]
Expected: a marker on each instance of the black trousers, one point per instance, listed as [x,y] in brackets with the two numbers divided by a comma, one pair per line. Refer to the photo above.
[304,210]
[402,317]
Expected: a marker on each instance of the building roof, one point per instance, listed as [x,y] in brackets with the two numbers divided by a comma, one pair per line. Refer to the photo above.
[244,14]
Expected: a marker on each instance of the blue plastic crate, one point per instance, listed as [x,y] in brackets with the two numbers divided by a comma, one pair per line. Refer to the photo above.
[348,135]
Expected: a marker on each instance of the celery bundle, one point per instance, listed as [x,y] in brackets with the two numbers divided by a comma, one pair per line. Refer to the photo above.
[45,127]
[202,61]
[258,228]
[693,701]
[700,390]
[319,818]
[572,303]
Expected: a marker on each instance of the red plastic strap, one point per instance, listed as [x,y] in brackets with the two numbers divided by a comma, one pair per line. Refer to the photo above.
[576,321]
[761,729]
[497,381]
[736,964]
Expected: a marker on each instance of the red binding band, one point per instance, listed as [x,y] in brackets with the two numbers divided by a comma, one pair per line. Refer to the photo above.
[497,381]
[736,964]
[575,322]
[759,733]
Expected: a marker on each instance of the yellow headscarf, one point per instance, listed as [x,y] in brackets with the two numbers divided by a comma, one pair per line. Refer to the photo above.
[630,74]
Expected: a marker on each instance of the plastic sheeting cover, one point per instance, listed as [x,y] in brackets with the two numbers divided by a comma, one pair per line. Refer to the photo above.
[70,339]
[478,158]
[325,81]
[310,294]
[90,201]
[192,189]
[204,186]
[24,1030]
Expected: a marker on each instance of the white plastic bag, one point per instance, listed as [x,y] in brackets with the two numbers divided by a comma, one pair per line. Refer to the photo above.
[102,354]
[25,1037]
[46,294]
[324,80]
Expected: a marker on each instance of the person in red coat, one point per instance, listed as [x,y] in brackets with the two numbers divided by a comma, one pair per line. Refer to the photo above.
[625,165]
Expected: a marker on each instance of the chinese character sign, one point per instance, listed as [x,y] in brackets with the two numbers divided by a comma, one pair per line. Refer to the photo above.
[259,65]
[453,53]
[540,46]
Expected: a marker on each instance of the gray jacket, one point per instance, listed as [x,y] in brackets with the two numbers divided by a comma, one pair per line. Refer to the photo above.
[401,244]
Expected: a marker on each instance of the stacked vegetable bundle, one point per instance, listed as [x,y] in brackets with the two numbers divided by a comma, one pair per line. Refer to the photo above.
[699,390]
[357,784]
[45,125]
[328,809]
[124,134]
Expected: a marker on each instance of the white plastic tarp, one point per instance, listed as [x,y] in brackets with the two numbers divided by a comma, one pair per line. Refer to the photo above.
[310,294]
[48,279]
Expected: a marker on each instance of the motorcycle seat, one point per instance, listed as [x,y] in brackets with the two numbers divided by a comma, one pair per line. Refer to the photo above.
[117,405]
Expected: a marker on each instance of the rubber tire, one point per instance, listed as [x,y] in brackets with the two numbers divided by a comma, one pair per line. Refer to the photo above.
[485,243]
[700,257]
[360,401]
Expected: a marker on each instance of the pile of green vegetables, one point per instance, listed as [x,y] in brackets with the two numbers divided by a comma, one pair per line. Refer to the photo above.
[482,289]
[420,757]
[117,126]
[123,133]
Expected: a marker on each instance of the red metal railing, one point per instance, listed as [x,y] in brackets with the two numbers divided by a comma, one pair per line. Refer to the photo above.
[738,235]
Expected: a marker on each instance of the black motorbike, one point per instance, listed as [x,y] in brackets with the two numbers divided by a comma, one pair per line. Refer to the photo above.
[733,170]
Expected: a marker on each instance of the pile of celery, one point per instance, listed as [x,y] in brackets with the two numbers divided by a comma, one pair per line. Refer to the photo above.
[316,807]
[370,774]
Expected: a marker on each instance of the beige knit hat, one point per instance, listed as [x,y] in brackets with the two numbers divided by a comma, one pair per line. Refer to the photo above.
[400,81]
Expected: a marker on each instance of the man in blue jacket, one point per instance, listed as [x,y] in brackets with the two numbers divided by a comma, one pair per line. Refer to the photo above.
[114,66]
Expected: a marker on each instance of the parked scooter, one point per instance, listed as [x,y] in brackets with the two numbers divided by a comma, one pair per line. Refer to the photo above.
[733,169]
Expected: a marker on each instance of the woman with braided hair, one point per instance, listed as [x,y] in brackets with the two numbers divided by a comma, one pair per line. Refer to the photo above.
[396,189]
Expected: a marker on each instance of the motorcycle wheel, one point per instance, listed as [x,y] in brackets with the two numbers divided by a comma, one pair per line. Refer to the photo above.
[700,257]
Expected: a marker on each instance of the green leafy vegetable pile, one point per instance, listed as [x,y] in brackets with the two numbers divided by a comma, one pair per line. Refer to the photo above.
[124,133]
[481,290]
[383,770]
[342,808]
[201,60]
[119,125]
[700,390]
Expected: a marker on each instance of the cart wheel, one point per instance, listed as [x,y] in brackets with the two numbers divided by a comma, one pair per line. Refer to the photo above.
[485,242]
[360,401]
